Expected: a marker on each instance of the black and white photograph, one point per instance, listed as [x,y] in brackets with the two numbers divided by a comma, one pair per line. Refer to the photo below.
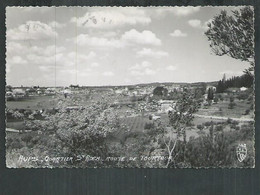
[130,87]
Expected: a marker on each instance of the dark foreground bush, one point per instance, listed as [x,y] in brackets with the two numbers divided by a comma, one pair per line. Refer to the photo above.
[216,151]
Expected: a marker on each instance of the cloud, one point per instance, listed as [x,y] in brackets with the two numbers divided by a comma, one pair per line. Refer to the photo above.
[81,59]
[178,33]
[94,64]
[149,71]
[195,23]
[14,47]
[109,34]
[171,68]
[85,39]
[55,24]
[112,17]
[141,66]
[142,69]
[129,38]
[17,60]
[177,11]
[31,30]
[198,24]
[147,52]
[145,37]
[108,73]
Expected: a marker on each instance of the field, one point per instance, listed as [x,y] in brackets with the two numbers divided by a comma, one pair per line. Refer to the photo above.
[221,109]
[33,103]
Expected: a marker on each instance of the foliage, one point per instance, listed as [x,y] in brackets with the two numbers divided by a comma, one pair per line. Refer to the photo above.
[217,150]
[210,93]
[237,81]
[160,91]
[233,35]
[179,119]
[148,125]
[200,127]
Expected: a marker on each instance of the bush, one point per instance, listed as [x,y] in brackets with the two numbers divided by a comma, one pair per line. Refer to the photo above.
[208,123]
[250,98]
[234,122]
[220,97]
[234,126]
[229,121]
[148,126]
[237,128]
[247,112]
[200,127]
[215,99]
[26,138]
[242,96]
[231,105]
[219,128]
[15,144]
[231,99]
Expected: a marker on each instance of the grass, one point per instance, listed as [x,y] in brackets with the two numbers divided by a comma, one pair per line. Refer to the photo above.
[221,109]
[135,123]
[33,103]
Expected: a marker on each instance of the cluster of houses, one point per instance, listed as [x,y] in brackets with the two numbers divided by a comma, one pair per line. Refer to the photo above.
[18,93]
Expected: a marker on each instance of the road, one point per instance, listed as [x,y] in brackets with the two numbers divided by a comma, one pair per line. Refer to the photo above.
[224,118]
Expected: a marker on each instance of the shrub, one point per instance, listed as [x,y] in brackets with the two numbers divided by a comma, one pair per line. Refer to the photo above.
[237,128]
[208,123]
[200,127]
[242,96]
[247,131]
[215,99]
[148,126]
[234,126]
[234,122]
[229,121]
[250,98]
[247,112]
[26,138]
[231,99]
[219,128]
[220,97]
[15,144]
[231,105]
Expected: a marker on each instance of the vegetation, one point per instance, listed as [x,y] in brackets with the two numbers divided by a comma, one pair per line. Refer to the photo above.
[236,82]
[233,35]
[160,91]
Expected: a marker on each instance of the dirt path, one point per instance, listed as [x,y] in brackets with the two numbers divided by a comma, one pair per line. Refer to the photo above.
[224,118]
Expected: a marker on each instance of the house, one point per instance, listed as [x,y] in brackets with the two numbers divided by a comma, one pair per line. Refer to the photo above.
[243,89]
[19,93]
[9,95]
[50,91]
[166,106]
[233,90]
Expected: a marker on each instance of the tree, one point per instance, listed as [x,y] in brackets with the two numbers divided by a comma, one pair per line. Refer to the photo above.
[210,94]
[160,91]
[233,35]
[179,120]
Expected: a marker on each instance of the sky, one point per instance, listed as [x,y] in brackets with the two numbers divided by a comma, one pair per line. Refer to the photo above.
[95,46]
